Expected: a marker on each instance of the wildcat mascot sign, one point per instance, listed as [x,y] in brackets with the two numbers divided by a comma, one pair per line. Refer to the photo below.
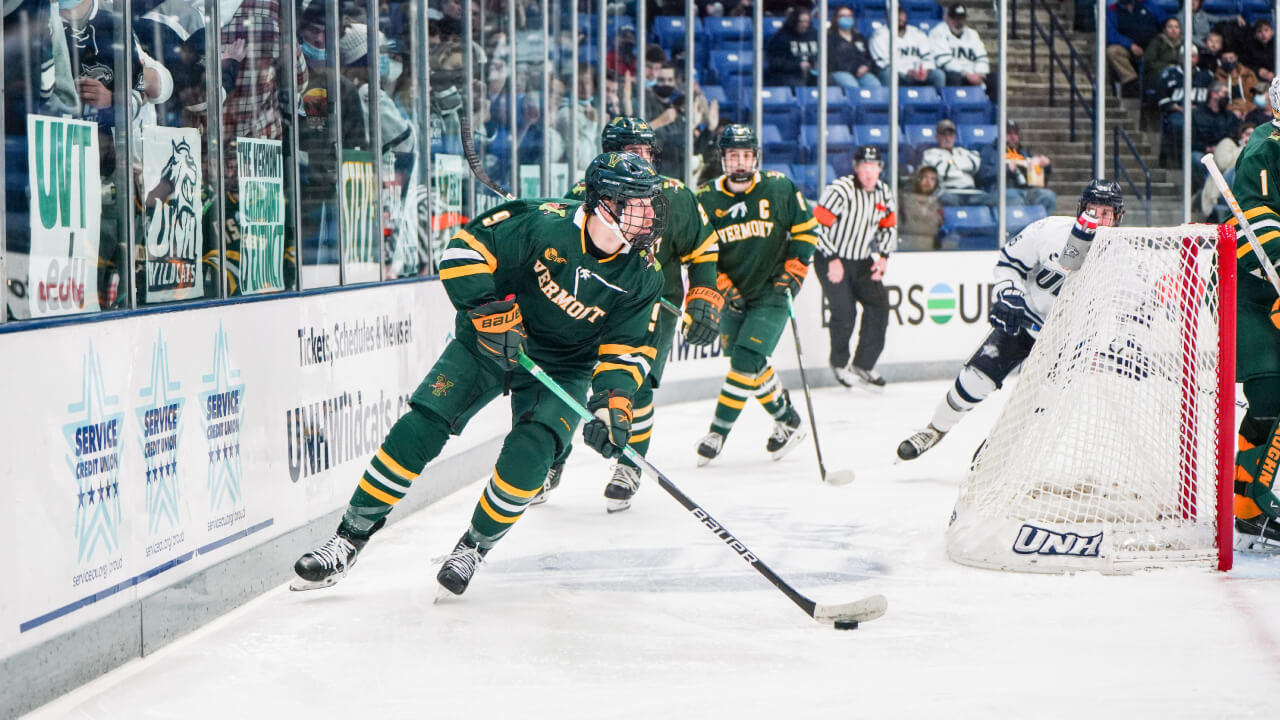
[171,181]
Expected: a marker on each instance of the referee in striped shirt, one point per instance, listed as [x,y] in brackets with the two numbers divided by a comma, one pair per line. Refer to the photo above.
[862,229]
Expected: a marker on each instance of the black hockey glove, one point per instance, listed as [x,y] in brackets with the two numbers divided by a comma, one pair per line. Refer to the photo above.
[702,316]
[1010,314]
[499,331]
[608,433]
[1275,314]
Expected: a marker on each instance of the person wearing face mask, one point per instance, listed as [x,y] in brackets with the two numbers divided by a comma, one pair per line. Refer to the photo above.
[848,55]
[622,58]
[1241,82]
[1212,122]
[1171,103]
[791,55]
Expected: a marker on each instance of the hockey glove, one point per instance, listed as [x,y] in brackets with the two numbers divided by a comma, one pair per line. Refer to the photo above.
[1275,314]
[1080,241]
[499,331]
[1009,313]
[792,276]
[702,316]
[608,433]
[729,292]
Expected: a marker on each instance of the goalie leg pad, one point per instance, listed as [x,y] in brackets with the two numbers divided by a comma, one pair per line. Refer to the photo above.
[1258,458]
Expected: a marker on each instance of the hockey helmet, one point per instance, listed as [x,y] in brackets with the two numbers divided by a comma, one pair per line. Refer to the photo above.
[1103,192]
[1273,97]
[868,154]
[622,177]
[739,137]
[624,131]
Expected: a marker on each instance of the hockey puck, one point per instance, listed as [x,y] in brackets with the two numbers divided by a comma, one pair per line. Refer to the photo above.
[846,624]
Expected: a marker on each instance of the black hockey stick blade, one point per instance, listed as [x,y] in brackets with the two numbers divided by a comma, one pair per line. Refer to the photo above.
[473,159]
[843,617]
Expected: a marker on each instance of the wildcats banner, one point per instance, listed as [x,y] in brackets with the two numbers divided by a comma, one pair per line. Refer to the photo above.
[362,251]
[66,215]
[261,215]
[171,180]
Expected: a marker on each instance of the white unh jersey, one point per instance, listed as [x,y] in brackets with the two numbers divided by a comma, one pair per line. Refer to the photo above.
[1029,262]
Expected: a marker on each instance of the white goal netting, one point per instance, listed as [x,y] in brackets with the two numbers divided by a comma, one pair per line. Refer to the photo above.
[1107,454]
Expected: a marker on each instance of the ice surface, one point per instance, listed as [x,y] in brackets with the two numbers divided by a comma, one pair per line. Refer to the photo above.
[645,614]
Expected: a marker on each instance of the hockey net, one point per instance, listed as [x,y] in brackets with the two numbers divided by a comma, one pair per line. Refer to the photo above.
[1114,452]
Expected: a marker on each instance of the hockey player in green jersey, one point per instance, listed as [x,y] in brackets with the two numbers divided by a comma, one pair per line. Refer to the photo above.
[569,283]
[767,239]
[1257,507]
[688,242]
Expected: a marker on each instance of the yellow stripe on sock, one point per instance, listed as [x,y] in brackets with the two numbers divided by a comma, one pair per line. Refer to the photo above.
[766,375]
[765,400]
[377,494]
[744,379]
[735,404]
[641,437]
[510,489]
[494,514]
[394,466]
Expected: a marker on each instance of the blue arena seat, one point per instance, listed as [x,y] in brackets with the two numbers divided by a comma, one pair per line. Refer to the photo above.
[877,135]
[779,106]
[871,107]
[975,136]
[869,22]
[1017,217]
[919,105]
[973,225]
[838,108]
[1257,7]
[919,135]
[1221,7]
[726,64]
[669,31]
[724,30]
[970,103]
[925,24]
[772,24]
[779,148]
[839,139]
[805,176]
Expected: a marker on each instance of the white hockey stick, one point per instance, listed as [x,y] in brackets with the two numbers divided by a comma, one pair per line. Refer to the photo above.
[839,477]
[1263,260]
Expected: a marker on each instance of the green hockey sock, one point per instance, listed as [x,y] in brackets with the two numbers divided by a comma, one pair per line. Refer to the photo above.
[517,476]
[737,388]
[414,440]
[772,397]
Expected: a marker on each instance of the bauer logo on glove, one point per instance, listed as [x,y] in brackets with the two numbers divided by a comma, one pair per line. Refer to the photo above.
[499,331]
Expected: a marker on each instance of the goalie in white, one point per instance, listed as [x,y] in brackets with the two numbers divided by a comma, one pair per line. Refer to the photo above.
[1028,276]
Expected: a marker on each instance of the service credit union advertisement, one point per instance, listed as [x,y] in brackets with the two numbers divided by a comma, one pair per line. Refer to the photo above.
[261,215]
[66,215]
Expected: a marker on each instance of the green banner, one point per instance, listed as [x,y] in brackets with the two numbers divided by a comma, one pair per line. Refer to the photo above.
[66,215]
[261,215]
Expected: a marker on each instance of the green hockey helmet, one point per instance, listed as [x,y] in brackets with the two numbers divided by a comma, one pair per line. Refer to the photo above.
[628,181]
[739,137]
[622,132]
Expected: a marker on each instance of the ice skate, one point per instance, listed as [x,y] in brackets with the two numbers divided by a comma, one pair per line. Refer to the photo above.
[709,448]
[845,376]
[551,483]
[327,564]
[916,445]
[1258,535]
[455,575]
[618,493]
[786,433]
[868,380]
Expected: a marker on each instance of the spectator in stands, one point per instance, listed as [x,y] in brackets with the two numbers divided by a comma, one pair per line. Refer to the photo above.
[957,169]
[669,127]
[1027,174]
[622,59]
[1260,55]
[1213,121]
[1241,81]
[916,55]
[921,211]
[1210,51]
[961,54]
[724,8]
[1130,28]
[1171,93]
[848,55]
[1259,112]
[1225,154]
[654,60]
[791,55]
[663,93]
[1202,23]
[1164,50]
[583,106]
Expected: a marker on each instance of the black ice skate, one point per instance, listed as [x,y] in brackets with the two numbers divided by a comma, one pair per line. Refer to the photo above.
[551,483]
[786,433]
[710,447]
[455,575]
[329,563]
[916,445]
[1258,535]
[618,493]
[869,380]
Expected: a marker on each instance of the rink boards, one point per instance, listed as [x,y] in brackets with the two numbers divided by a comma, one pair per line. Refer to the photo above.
[194,450]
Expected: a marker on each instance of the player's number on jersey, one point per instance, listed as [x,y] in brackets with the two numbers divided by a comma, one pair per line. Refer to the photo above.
[653,316]
[764,209]
[495,218]
[1263,178]
[800,199]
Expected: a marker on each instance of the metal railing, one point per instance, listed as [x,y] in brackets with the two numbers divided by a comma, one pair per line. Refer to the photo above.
[1052,36]
[1122,175]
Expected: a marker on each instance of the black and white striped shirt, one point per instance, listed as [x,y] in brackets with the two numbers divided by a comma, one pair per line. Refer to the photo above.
[865,224]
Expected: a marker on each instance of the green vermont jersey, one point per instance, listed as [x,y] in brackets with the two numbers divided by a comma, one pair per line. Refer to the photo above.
[754,228]
[690,239]
[1257,190]
[579,311]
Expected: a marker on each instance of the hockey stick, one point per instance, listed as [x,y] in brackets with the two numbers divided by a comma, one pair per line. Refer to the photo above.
[839,477]
[1263,260]
[845,616]
[473,160]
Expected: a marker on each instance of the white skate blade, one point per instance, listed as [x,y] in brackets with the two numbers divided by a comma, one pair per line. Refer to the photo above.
[703,460]
[613,506]
[300,585]
[858,611]
[1255,545]
[792,441]
[839,477]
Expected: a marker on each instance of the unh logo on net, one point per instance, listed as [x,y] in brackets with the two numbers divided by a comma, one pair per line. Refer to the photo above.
[1033,540]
